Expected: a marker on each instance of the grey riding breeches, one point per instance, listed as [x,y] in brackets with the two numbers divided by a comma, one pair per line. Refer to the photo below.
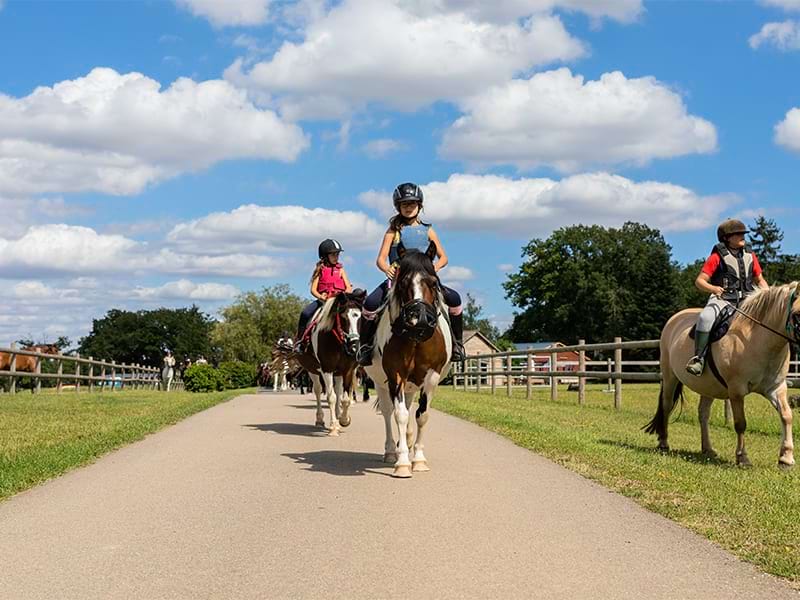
[709,314]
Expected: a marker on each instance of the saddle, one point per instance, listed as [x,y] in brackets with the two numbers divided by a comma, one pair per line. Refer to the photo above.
[312,322]
[720,327]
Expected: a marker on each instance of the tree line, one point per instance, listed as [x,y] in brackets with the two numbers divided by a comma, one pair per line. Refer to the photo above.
[582,281]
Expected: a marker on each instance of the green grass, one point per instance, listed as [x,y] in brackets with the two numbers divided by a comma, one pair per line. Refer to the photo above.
[45,435]
[754,513]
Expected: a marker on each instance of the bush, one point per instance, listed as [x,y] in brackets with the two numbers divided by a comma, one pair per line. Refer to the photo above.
[202,378]
[237,375]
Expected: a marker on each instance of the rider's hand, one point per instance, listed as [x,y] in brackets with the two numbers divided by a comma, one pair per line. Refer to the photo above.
[391,272]
[717,290]
[324,296]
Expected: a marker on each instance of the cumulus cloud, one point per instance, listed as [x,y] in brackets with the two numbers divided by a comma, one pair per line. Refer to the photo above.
[556,118]
[784,36]
[260,228]
[525,207]
[624,11]
[382,147]
[184,289]
[788,5]
[404,55]
[787,132]
[116,133]
[454,273]
[222,13]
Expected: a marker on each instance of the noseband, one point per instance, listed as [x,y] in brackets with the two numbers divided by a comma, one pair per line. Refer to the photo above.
[417,321]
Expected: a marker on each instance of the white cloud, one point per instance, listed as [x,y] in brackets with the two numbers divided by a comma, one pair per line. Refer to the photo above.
[784,36]
[400,55]
[20,213]
[624,11]
[184,289]
[505,267]
[556,118]
[382,147]
[533,207]
[260,228]
[453,273]
[228,265]
[787,132]
[116,133]
[788,5]
[222,13]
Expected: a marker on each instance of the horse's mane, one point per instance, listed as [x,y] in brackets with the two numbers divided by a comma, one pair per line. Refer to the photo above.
[325,322]
[770,303]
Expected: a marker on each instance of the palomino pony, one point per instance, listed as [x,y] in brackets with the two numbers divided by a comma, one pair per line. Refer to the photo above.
[330,357]
[752,357]
[412,353]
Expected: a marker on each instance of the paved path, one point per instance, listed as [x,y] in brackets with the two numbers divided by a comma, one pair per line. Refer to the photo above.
[248,500]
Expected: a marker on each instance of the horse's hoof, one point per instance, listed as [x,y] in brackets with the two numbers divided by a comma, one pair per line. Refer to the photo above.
[709,454]
[390,458]
[663,448]
[785,466]
[743,461]
[402,471]
[320,424]
[333,433]
[420,466]
[345,422]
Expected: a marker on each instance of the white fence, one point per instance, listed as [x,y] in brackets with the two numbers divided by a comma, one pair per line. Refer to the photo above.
[519,369]
[74,372]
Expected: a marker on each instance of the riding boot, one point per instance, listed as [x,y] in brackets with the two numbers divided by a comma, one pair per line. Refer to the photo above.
[697,363]
[366,339]
[457,325]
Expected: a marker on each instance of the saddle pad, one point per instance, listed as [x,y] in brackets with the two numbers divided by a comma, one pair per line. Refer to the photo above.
[720,327]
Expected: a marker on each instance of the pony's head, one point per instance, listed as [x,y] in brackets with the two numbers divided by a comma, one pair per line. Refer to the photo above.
[43,348]
[793,318]
[416,291]
[341,315]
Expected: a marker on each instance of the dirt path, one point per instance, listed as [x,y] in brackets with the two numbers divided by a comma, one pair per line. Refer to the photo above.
[249,500]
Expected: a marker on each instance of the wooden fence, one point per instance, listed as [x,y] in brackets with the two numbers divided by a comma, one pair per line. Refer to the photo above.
[73,372]
[479,372]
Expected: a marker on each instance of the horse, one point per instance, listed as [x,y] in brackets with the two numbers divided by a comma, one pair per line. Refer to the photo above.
[262,375]
[26,364]
[752,357]
[411,354]
[330,357]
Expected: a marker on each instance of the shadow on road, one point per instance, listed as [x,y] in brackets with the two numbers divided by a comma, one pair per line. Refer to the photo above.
[339,462]
[695,457]
[307,406]
[289,429]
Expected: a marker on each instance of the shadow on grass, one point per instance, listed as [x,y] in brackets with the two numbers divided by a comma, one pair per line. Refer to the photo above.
[300,429]
[341,463]
[687,455]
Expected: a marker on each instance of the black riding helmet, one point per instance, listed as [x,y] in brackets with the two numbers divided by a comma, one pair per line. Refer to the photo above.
[406,192]
[327,247]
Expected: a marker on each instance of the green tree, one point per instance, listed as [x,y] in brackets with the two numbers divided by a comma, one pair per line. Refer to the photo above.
[142,337]
[473,319]
[692,297]
[251,325]
[594,283]
[766,238]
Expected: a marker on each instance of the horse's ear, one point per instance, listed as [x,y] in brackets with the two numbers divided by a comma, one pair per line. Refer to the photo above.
[359,295]
[431,251]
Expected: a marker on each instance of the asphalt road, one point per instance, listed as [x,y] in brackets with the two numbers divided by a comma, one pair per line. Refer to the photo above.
[249,500]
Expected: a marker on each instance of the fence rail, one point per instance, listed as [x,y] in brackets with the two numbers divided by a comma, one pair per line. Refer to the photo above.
[99,374]
[481,370]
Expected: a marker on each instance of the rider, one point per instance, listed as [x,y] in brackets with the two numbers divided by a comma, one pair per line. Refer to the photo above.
[328,280]
[406,227]
[729,274]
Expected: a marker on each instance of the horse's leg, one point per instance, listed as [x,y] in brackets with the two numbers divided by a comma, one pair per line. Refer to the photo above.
[703,414]
[402,468]
[344,394]
[778,398]
[740,425]
[426,395]
[330,394]
[317,387]
[386,408]
[667,396]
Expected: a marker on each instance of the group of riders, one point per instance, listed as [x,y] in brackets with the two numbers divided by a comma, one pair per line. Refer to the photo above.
[406,232]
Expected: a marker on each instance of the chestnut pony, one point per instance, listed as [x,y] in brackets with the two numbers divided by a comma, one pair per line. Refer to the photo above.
[752,357]
[26,363]
[412,354]
[330,357]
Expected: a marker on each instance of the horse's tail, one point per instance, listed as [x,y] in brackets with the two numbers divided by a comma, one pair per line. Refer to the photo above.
[658,425]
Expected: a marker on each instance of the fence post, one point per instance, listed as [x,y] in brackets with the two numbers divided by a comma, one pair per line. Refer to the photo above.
[103,377]
[60,372]
[581,369]
[77,373]
[508,375]
[618,371]
[38,371]
[554,378]
[113,375]
[122,376]
[608,366]
[12,388]
[91,375]
[493,368]
[456,369]
[465,367]
[529,377]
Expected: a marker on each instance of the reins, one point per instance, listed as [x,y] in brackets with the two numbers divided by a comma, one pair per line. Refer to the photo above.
[791,340]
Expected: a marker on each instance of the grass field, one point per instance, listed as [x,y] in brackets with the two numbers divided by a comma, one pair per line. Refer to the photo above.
[754,513]
[44,435]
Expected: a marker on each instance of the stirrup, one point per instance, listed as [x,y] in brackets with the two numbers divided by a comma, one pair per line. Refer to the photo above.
[695,366]
[364,356]
[458,354]
[298,347]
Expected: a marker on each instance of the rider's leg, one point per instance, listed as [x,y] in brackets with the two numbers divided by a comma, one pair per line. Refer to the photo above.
[705,322]
[307,313]
[453,301]
[369,323]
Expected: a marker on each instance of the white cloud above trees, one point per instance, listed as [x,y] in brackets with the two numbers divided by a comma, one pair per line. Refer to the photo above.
[223,13]
[787,132]
[784,36]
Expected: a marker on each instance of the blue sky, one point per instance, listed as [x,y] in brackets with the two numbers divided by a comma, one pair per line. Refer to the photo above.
[169,152]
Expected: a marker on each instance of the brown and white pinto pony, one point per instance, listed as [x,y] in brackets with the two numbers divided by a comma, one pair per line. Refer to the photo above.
[330,357]
[412,354]
[749,358]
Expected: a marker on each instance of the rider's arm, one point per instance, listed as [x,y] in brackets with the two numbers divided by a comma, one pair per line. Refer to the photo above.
[315,292]
[703,283]
[383,254]
[760,282]
[347,287]
[440,253]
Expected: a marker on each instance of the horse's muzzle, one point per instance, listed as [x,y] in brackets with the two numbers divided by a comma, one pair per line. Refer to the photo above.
[351,345]
[417,321]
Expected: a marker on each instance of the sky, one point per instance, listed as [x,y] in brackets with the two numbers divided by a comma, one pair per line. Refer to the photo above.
[177,152]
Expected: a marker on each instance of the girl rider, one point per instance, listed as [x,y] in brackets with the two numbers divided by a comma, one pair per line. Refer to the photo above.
[328,279]
[729,275]
[407,228]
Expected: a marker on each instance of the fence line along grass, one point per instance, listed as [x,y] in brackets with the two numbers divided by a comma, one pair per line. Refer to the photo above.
[45,435]
[754,513]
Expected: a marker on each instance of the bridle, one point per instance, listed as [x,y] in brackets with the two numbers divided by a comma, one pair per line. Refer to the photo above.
[417,320]
[792,321]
